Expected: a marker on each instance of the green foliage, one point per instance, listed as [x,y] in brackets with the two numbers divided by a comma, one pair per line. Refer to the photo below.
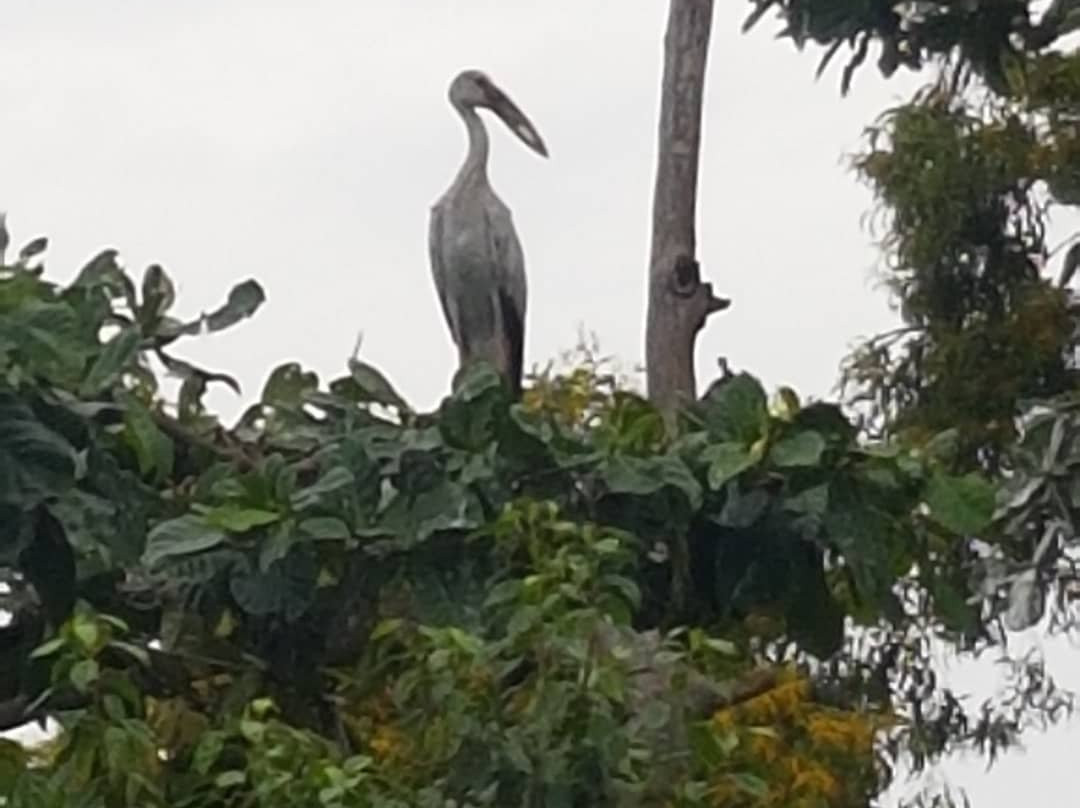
[342,601]
[961,186]
[1038,510]
[982,373]
[989,38]
[965,174]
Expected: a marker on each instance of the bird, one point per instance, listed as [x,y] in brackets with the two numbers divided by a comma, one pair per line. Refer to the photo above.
[476,257]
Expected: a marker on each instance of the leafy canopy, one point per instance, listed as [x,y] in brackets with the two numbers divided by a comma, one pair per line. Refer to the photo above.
[343,602]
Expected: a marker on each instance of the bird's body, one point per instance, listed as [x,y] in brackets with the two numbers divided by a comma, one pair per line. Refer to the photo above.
[480,277]
[476,258]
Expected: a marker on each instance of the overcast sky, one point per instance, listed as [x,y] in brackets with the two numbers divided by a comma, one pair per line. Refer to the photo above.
[303,143]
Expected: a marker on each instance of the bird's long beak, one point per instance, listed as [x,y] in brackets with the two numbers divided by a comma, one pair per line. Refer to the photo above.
[500,103]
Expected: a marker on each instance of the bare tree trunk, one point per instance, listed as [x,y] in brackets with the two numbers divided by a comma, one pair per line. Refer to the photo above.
[679,302]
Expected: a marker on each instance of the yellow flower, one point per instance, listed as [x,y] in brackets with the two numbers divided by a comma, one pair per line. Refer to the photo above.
[782,702]
[813,779]
[388,743]
[764,746]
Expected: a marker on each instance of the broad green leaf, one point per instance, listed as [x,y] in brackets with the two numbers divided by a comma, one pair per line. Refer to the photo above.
[230,779]
[413,519]
[104,272]
[867,536]
[211,745]
[709,746]
[374,386]
[158,295]
[113,524]
[88,632]
[812,501]
[964,505]
[325,527]
[181,536]
[35,462]
[470,417]
[33,248]
[111,362]
[287,385]
[943,446]
[736,409]
[800,449]
[384,628]
[153,448]
[725,647]
[48,648]
[243,301]
[276,544]
[630,475]
[116,622]
[624,474]
[524,619]
[237,519]
[136,652]
[726,460]
[338,478]
[503,593]
[47,336]
[533,425]
[474,380]
[114,708]
[84,674]
[828,420]
[285,589]
[951,606]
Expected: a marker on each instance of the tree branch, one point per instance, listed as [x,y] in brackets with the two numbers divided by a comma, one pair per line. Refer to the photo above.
[679,302]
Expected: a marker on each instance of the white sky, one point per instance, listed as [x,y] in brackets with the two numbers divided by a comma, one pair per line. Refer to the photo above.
[303,143]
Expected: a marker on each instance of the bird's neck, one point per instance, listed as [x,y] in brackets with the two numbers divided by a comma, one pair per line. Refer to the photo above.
[475,166]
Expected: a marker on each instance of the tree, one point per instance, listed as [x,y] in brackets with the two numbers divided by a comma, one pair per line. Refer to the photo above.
[967,175]
[679,301]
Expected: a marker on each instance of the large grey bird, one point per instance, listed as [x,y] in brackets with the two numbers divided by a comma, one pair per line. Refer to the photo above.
[476,257]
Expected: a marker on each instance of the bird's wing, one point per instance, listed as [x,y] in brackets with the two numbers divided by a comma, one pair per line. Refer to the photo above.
[511,264]
[512,289]
[438,270]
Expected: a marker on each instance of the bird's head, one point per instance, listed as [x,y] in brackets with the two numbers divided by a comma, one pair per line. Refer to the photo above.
[473,88]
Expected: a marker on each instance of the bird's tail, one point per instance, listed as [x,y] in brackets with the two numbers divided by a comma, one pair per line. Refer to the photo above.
[492,331]
[514,339]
